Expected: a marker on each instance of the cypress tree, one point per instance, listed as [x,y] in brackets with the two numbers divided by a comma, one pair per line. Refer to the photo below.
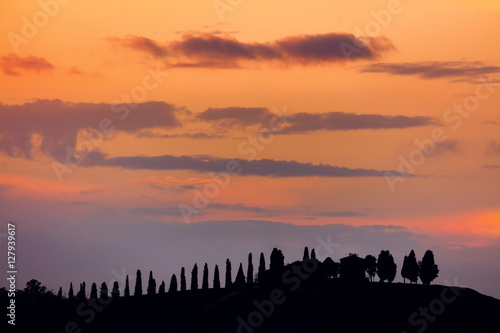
[204,284]
[183,279]
[151,284]
[228,282]
[126,292]
[161,289]
[250,270]
[194,278]
[71,295]
[262,269]
[93,291]
[59,294]
[104,291]
[239,281]
[305,257]
[138,284]
[115,292]
[173,284]
[216,278]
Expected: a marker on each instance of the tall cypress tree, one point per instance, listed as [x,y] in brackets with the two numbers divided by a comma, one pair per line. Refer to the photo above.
[93,291]
[262,269]
[204,284]
[59,294]
[194,278]
[173,284]
[239,281]
[71,294]
[313,254]
[250,270]
[228,282]
[151,284]
[126,292]
[115,292]
[216,278]
[104,291]
[405,269]
[81,293]
[138,284]
[412,267]
[305,257]
[161,289]
[183,279]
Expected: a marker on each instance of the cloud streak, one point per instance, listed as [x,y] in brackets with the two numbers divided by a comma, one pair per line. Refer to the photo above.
[13,65]
[224,51]
[264,168]
[303,122]
[434,69]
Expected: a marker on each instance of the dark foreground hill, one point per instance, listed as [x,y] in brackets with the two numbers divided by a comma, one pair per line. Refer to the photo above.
[368,307]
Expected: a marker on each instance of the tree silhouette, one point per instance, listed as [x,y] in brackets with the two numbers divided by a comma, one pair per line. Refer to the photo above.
[151,284]
[228,282]
[138,284]
[183,279]
[59,294]
[262,269]
[330,268]
[276,266]
[115,292]
[126,292]
[405,269]
[194,278]
[34,289]
[81,293]
[93,291]
[103,294]
[71,295]
[250,270]
[161,289]
[412,268]
[239,281]
[313,254]
[371,266]
[173,284]
[216,278]
[428,270]
[386,267]
[204,283]
[277,260]
[305,257]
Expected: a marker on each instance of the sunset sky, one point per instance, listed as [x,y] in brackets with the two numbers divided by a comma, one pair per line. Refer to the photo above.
[155,134]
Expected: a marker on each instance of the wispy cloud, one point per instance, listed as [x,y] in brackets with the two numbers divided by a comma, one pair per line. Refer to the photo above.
[433,69]
[303,122]
[264,167]
[224,51]
[11,64]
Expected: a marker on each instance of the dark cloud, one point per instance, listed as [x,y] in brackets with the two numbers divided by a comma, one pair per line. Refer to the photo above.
[434,69]
[140,43]
[493,148]
[11,64]
[224,51]
[303,122]
[197,135]
[264,167]
[340,214]
[491,167]
[57,124]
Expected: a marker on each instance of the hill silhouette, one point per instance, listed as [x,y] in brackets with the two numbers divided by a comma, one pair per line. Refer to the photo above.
[303,296]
